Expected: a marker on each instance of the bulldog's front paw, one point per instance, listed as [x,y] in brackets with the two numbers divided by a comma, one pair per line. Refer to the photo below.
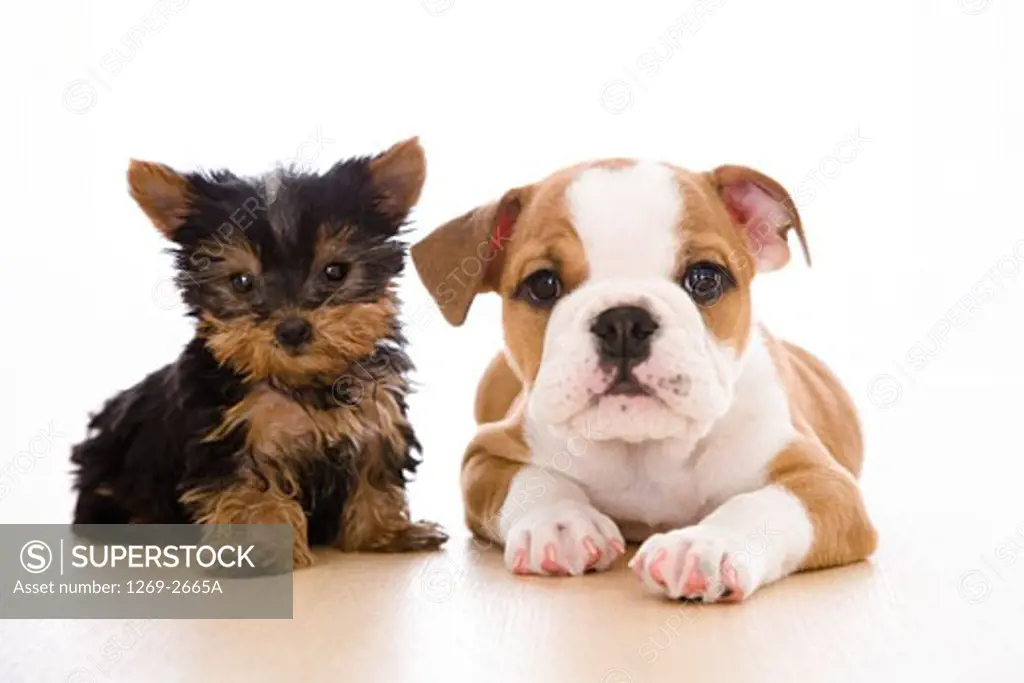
[564,538]
[696,563]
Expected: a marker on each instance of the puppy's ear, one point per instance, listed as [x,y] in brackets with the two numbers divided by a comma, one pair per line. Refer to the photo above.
[465,256]
[163,193]
[763,211]
[398,176]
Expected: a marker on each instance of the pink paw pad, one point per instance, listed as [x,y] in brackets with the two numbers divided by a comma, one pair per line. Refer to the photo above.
[655,568]
[733,592]
[550,562]
[519,565]
[593,552]
[696,583]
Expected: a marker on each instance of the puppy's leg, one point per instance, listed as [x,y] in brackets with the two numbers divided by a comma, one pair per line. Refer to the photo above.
[377,519]
[249,503]
[542,517]
[376,515]
[549,527]
[809,516]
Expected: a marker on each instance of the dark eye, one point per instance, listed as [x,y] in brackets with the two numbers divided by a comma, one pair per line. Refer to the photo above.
[541,288]
[336,272]
[242,282]
[705,282]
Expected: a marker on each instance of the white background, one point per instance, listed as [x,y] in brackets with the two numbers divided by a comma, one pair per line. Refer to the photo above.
[921,212]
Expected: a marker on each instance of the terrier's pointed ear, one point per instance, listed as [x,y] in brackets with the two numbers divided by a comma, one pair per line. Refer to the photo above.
[763,211]
[465,256]
[163,193]
[398,174]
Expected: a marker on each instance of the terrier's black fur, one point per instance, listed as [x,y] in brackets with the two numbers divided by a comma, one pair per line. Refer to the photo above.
[289,405]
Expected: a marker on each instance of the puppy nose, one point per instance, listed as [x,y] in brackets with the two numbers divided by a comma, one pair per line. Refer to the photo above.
[293,332]
[624,335]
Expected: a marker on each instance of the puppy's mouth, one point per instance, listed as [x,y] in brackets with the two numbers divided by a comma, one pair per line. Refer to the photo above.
[621,406]
[626,384]
[626,391]
[292,351]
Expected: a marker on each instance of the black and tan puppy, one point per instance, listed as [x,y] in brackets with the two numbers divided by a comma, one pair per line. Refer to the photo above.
[289,405]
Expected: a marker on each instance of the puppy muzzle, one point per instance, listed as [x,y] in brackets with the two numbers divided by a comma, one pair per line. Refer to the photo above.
[634,361]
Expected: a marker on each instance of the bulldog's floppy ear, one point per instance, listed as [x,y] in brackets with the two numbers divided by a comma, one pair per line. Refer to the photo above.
[762,210]
[163,193]
[465,256]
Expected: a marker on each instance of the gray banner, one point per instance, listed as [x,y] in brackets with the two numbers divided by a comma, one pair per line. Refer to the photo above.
[157,571]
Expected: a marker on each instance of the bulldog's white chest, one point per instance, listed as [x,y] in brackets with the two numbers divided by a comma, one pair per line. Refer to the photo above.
[672,483]
[648,486]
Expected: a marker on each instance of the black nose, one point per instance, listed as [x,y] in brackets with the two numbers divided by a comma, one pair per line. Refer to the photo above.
[293,332]
[624,335]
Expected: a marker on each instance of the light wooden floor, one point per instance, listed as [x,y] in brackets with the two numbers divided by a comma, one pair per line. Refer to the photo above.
[943,600]
[458,615]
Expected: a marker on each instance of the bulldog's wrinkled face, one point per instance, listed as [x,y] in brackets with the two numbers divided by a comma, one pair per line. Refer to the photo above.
[643,292]
[626,290]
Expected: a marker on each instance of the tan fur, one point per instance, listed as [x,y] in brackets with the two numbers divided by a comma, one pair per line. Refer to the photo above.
[340,333]
[398,174]
[819,404]
[820,469]
[843,533]
[493,458]
[497,389]
[161,193]
[376,514]
[247,502]
[280,433]
[330,247]
[214,264]
[276,426]
[226,258]
[709,236]
[460,258]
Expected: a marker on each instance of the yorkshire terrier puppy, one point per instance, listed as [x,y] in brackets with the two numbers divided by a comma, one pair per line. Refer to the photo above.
[289,404]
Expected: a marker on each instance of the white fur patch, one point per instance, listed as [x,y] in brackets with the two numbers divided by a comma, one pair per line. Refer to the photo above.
[752,540]
[548,527]
[627,219]
[742,444]
[673,482]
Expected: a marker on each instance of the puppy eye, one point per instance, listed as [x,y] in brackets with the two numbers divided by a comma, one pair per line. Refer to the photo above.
[242,282]
[336,272]
[541,289]
[706,282]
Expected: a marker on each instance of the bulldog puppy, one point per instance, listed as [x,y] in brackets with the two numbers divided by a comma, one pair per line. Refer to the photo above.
[638,399]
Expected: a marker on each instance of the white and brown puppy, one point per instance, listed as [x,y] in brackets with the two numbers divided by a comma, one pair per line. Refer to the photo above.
[638,399]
